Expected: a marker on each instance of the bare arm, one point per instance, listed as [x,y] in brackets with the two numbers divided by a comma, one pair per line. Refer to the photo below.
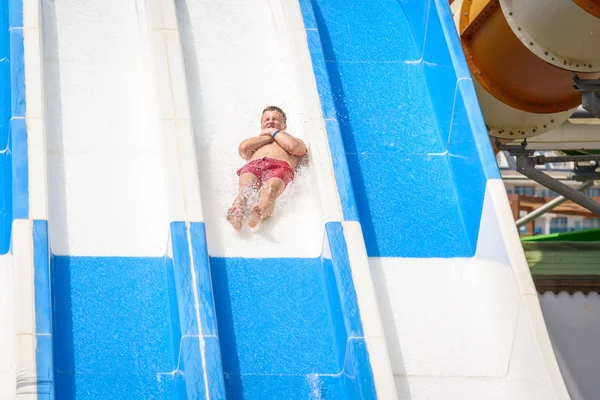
[249,146]
[295,147]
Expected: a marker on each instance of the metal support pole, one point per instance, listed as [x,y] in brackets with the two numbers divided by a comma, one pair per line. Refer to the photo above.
[540,160]
[526,166]
[538,212]
[590,93]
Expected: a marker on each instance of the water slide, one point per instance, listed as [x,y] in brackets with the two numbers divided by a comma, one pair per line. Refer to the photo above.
[391,267]
[527,59]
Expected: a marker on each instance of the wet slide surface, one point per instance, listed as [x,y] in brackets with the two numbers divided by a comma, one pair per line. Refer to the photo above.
[113,312]
[280,326]
[120,327]
[395,110]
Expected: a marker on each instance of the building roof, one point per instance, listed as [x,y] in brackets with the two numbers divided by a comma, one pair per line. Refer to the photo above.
[565,261]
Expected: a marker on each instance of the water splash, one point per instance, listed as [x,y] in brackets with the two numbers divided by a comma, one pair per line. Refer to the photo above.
[315,385]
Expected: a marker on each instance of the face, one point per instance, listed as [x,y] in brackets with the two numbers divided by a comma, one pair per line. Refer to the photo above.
[272,119]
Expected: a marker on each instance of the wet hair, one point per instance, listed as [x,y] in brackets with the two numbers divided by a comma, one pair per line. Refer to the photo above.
[275,108]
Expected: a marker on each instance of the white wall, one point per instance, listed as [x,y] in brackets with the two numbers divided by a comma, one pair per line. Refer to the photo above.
[574,325]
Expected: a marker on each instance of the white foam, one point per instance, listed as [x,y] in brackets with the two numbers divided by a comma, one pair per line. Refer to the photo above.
[315,385]
[241,57]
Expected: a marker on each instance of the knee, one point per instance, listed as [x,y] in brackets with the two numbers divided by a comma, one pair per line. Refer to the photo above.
[272,190]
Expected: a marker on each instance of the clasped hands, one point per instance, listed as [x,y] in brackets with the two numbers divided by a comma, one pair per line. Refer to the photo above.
[268,132]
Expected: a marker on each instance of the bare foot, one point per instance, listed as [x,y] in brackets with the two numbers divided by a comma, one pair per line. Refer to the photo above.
[255,217]
[235,216]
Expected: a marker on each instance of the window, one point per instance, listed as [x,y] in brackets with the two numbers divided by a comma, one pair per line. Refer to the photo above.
[558,224]
[542,193]
[525,190]
[591,223]
[561,166]
[595,192]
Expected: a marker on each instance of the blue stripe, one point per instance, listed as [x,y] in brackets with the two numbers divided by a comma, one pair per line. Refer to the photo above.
[357,371]
[43,305]
[340,165]
[190,357]
[343,279]
[180,384]
[203,284]
[127,326]
[6,213]
[113,334]
[43,312]
[289,326]
[17,72]
[183,279]
[187,306]
[20,169]
[214,368]
[358,375]
[485,155]
[191,367]
[208,320]
[417,155]
[15,10]
[472,160]
[18,127]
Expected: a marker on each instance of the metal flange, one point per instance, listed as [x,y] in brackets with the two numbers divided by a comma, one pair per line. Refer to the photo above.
[560,32]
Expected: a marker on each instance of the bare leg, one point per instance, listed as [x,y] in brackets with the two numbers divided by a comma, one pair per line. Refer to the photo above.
[247,183]
[266,201]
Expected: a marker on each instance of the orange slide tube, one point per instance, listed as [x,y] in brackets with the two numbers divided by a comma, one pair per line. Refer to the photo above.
[590,6]
[507,69]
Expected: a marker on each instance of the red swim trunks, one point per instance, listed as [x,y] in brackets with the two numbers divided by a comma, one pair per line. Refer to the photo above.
[267,168]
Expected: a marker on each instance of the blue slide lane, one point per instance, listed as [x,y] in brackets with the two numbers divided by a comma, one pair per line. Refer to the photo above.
[13,134]
[290,327]
[392,79]
[5,114]
[44,357]
[127,327]
[18,127]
